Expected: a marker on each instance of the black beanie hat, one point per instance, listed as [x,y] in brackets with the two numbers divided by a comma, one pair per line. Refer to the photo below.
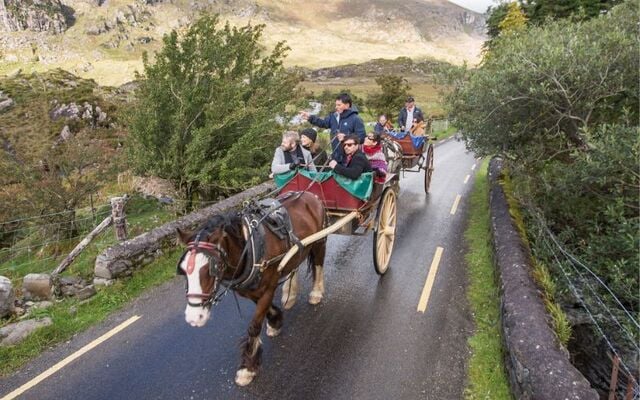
[310,133]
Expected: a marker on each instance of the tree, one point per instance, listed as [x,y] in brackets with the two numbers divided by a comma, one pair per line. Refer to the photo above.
[544,88]
[538,11]
[495,16]
[515,19]
[205,115]
[560,102]
[394,91]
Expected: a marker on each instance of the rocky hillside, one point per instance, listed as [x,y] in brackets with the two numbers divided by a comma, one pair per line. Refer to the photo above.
[104,39]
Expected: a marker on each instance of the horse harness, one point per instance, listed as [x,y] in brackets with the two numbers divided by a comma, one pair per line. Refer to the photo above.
[256,216]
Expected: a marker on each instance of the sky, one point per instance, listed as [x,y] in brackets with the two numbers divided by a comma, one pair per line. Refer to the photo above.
[475,5]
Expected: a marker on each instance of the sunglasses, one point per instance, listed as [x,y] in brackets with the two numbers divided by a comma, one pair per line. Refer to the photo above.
[349,144]
[371,137]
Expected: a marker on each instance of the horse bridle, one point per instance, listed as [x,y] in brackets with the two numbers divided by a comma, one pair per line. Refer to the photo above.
[215,271]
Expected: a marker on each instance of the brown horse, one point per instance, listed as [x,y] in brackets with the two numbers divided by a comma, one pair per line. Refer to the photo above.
[219,258]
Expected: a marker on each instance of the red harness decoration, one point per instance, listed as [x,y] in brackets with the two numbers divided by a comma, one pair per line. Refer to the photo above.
[194,246]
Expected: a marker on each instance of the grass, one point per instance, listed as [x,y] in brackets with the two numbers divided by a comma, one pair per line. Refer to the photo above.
[445,133]
[70,316]
[487,377]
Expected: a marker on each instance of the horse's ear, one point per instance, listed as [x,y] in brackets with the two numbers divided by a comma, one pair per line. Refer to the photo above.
[183,236]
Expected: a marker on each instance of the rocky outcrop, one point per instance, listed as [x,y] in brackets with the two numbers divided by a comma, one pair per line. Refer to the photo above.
[35,15]
[5,101]
[93,116]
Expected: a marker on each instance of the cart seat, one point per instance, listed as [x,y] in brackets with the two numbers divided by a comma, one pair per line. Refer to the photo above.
[335,191]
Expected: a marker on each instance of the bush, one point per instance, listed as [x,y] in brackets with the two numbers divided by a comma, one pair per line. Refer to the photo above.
[205,116]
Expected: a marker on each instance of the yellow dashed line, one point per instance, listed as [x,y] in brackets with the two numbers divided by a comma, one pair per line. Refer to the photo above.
[455,204]
[426,291]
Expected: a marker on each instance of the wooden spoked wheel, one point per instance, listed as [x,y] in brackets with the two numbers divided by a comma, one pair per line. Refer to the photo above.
[428,168]
[384,233]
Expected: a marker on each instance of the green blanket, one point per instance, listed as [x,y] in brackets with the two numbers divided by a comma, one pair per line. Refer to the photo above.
[360,188]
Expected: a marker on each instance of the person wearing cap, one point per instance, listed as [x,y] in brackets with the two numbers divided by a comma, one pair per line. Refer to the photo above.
[408,113]
[308,138]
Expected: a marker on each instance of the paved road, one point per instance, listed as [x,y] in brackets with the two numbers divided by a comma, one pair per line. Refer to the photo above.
[367,340]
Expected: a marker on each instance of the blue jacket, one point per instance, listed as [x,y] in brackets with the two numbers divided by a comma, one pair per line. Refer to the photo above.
[350,123]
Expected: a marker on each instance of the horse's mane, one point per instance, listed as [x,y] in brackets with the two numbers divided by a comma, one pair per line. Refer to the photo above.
[228,222]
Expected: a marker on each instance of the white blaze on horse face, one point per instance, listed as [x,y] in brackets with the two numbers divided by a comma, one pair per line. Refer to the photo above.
[196,316]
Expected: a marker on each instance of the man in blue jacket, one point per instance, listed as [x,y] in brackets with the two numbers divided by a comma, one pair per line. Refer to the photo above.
[343,122]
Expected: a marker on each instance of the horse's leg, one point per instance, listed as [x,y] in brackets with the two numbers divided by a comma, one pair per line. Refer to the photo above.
[251,351]
[290,291]
[274,321]
[317,257]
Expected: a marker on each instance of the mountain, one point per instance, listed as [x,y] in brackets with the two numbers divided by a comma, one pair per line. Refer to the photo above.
[104,39]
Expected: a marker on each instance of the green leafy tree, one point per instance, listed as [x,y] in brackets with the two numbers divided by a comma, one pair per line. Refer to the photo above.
[538,11]
[561,103]
[547,86]
[205,115]
[392,96]
[495,15]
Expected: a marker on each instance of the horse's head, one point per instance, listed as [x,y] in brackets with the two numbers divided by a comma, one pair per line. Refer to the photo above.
[212,255]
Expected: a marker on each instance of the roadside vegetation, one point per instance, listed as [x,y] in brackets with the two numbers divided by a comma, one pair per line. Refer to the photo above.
[557,97]
[487,376]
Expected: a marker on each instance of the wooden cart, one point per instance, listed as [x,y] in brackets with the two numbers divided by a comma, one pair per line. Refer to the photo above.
[409,158]
[349,215]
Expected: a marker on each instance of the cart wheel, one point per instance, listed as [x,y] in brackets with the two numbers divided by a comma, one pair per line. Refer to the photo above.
[428,168]
[385,231]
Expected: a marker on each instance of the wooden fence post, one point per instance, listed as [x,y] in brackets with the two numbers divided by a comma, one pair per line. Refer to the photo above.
[118,217]
[78,249]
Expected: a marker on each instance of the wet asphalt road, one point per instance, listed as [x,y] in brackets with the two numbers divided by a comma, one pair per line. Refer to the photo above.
[366,340]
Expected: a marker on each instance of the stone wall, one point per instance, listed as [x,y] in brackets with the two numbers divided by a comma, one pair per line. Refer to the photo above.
[538,366]
[122,259]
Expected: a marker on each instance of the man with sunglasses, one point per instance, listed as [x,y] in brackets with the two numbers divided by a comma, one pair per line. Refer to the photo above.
[354,162]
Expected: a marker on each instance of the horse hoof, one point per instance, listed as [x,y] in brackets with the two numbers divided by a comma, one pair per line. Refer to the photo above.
[288,303]
[272,332]
[315,298]
[244,377]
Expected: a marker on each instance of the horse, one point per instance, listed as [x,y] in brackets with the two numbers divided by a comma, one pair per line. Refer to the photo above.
[218,259]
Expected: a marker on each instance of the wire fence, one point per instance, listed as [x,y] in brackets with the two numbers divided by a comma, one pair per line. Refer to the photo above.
[612,321]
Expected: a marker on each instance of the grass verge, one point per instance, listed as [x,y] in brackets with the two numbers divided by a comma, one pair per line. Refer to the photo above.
[487,377]
[70,316]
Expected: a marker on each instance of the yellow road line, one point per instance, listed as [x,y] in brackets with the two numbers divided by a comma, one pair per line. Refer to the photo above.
[466,179]
[473,167]
[426,291]
[69,359]
[454,207]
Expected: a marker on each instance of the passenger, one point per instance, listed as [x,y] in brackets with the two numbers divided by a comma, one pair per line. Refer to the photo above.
[419,126]
[343,122]
[290,155]
[407,114]
[308,140]
[383,125]
[354,163]
[372,149]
